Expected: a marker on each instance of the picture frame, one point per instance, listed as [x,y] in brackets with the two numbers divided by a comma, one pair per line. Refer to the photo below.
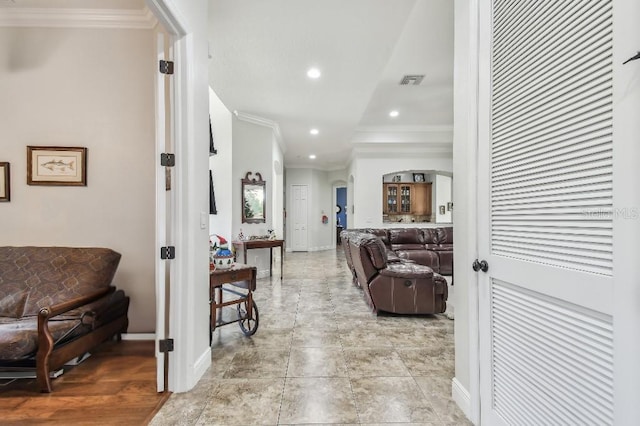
[56,166]
[5,182]
[418,177]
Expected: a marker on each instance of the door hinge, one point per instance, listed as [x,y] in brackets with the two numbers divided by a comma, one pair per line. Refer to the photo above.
[166,67]
[167,160]
[168,252]
[165,345]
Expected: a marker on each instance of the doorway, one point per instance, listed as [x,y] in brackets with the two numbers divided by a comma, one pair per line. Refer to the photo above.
[340,195]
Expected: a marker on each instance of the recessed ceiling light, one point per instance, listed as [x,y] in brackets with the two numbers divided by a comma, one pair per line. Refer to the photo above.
[314,131]
[394,113]
[312,156]
[314,73]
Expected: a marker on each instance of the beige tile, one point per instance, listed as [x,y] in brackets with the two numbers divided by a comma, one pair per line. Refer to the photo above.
[362,337]
[244,402]
[374,362]
[317,362]
[315,338]
[317,400]
[427,361]
[250,364]
[391,399]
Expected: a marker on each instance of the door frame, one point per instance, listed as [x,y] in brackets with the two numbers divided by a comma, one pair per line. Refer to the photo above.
[465,171]
[181,374]
[334,197]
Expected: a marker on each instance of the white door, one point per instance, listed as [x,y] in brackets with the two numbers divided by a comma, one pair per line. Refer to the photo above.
[545,203]
[164,206]
[299,206]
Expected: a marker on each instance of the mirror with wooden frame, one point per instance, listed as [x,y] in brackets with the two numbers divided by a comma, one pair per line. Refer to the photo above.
[253,199]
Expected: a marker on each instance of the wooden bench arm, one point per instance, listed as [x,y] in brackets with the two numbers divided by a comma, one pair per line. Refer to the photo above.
[51,311]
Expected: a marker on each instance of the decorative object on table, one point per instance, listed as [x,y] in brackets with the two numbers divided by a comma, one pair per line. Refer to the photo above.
[212,196]
[450,206]
[325,219]
[418,177]
[253,199]
[442,210]
[272,234]
[56,166]
[397,178]
[241,236]
[5,182]
[223,258]
[213,247]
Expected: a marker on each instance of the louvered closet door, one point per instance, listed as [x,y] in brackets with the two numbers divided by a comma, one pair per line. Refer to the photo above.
[545,204]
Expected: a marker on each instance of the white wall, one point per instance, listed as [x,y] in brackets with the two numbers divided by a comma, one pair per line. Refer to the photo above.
[220,164]
[367,190]
[90,88]
[254,149]
[277,176]
[443,197]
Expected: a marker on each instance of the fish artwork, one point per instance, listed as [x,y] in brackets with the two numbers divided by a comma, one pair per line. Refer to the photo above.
[58,165]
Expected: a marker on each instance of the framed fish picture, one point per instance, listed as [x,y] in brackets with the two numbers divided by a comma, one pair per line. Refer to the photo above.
[5,184]
[56,166]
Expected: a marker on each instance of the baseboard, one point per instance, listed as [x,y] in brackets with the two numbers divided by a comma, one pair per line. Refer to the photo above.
[461,397]
[263,273]
[320,248]
[139,336]
[202,364]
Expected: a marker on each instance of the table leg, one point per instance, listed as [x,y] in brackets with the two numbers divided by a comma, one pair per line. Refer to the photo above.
[244,253]
[270,261]
[281,259]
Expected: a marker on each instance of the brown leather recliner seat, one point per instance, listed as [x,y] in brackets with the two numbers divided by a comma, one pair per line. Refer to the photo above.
[397,287]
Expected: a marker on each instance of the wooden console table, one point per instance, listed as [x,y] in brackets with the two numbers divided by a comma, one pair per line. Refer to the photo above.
[245,245]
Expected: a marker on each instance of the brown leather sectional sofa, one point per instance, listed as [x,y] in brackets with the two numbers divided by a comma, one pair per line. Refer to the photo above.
[398,268]
[56,303]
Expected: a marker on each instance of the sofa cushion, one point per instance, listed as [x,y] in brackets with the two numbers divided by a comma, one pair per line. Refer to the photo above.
[422,257]
[35,277]
[19,337]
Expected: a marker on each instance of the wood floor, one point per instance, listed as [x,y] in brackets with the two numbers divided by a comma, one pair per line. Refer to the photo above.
[115,386]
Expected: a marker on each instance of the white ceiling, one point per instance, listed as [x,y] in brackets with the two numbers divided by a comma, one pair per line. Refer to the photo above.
[261,50]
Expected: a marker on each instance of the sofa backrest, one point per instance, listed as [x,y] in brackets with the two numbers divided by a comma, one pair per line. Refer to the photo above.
[445,235]
[406,239]
[368,255]
[35,277]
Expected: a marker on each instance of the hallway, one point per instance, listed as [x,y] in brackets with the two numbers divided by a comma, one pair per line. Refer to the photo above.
[320,356]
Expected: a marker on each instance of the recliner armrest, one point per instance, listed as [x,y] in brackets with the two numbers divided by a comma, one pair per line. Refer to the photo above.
[406,270]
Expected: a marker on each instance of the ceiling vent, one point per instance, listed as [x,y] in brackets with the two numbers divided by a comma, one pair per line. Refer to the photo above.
[415,79]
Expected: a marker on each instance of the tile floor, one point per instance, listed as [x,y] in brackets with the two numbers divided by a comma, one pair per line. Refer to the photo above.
[320,357]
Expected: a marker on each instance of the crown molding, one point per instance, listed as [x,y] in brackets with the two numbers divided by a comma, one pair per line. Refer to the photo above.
[402,134]
[261,121]
[142,19]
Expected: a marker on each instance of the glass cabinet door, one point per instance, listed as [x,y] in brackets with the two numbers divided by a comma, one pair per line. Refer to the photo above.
[392,198]
[405,198]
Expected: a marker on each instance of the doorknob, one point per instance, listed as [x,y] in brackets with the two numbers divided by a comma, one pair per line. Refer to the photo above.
[480,265]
